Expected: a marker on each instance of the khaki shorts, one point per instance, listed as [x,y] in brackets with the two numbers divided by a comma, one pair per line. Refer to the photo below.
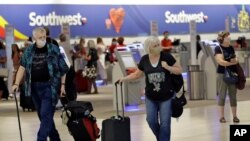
[223,88]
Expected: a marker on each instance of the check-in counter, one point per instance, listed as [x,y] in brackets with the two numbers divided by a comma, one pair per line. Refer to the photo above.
[125,65]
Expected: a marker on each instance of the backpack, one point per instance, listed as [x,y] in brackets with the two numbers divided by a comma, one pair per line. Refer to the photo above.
[84,129]
[81,124]
[241,78]
[94,55]
[178,103]
[177,82]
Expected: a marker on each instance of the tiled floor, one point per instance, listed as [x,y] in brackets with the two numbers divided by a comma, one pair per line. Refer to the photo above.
[198,123]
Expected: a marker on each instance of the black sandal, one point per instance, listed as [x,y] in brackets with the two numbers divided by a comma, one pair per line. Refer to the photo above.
[223,120]
[236,120]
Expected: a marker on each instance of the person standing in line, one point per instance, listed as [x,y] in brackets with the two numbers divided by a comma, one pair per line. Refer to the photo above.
[44,69]
[4,93]
[157,67]
[101,50]
[166,43]
[111,49]
[79,55]
[15,56]
[198,45]
[92,59]
[225,57]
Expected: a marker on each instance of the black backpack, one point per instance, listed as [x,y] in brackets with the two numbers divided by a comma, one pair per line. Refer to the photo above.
[94,55]
[177,82]
[178,102]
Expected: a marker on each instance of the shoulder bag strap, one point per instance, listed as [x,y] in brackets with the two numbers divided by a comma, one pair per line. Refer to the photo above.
[222,53]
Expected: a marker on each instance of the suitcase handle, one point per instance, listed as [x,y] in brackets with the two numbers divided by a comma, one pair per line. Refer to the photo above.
[117,82]
[117,112]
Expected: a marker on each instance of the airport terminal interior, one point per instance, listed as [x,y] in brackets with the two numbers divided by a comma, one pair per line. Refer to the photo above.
[199,122]
[132,24]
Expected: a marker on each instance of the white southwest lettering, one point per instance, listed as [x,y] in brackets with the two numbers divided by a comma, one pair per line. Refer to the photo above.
[52,19]
[182,17]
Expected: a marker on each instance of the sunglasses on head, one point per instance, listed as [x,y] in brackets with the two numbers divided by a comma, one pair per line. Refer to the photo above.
[156,45]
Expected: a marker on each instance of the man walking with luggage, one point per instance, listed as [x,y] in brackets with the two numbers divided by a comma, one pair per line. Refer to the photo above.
[44,69]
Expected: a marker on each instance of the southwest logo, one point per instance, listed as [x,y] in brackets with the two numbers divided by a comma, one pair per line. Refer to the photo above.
[17,35]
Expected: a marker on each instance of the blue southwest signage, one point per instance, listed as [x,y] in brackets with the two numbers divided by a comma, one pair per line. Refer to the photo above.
[126,20]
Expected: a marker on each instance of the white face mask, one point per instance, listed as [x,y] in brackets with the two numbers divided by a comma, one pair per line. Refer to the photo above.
[227,40]
[155,50]
[41,43]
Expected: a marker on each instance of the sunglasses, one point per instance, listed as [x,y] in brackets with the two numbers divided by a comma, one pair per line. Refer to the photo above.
[156,45]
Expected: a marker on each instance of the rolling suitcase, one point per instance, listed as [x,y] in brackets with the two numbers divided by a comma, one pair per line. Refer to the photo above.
[81,124]
[81,82]
[116,128]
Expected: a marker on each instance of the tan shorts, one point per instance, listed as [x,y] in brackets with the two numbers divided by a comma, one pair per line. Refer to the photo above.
[224,88]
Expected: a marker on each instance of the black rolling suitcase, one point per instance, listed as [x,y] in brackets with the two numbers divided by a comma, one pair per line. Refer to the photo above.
[116,128]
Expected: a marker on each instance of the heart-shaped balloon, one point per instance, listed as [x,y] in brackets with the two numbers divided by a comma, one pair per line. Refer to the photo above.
[117,18]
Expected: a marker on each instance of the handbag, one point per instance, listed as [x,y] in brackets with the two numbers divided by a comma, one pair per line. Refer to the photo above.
[91,72]
[178,103]
[4,72]
[230,77]
[177,82]
[242,78]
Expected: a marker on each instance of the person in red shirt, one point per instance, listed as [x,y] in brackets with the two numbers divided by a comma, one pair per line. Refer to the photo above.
[112,48]
[120,41]
[166,43]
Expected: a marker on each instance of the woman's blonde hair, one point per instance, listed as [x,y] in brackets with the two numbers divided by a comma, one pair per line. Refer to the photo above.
[91,44]
[151,41]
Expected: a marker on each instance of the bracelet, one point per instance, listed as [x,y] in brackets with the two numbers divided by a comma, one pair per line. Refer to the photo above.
[62,83]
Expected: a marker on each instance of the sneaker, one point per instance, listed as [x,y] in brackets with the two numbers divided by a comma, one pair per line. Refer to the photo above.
[236,120]
[11,96]
[222,120]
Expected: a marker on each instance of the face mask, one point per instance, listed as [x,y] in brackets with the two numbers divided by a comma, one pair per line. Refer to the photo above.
[113,43]
[227,39]
[155,50]
[41,43]
[166,36]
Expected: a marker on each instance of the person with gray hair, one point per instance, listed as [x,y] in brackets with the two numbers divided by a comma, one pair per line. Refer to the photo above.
[44,69]
[157,67]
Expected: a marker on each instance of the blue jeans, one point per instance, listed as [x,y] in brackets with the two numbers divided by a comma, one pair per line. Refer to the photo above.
[42,98]
[159,118]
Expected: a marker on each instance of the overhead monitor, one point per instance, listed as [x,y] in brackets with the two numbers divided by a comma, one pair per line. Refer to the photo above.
[128,61]
[137,51]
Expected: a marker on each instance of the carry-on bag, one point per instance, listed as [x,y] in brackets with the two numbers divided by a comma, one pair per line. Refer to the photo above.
[81,124]
[116,128]
[81,82]
[18,117]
